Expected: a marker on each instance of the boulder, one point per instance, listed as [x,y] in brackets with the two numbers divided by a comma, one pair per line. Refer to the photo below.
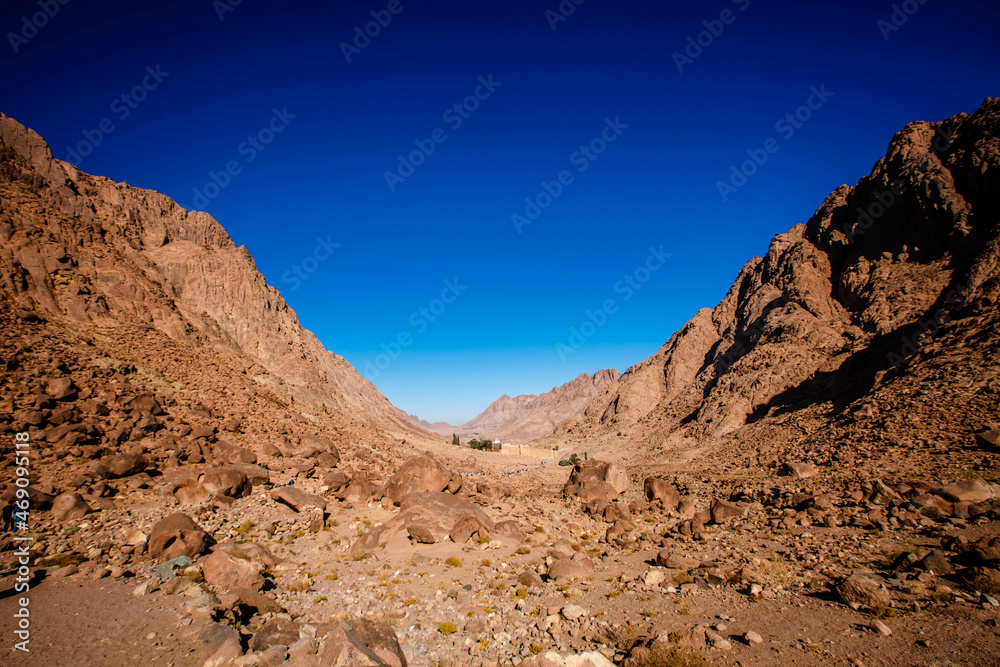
[224,571]
[722,511]
[666,558]
[191,492]
[553,659]
[256,600]
[529,579]
[298,499]
[362,642]
[423,534]
[432,515]
[226,452]
[595,479]
[61,389]
[275,632]
[989,437]
[419,474]
[662,490]
[466,527]
[336,480]
[311,446]
[226,482]
[177,535]
[509,528]
[799,470]
[863,592]
[561,567]
[69,506]
[144,404]
[121,465]
[968,490]
[359,489]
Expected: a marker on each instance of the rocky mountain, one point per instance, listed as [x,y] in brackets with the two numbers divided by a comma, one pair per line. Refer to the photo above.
[525,417]
[442,428]
[94,254]
[891,285]
[812,469]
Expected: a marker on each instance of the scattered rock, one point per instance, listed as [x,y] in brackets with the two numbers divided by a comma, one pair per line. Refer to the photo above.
[863,592]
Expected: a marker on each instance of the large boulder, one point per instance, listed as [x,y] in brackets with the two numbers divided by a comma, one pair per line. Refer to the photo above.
[722,511]
[226,482]
[275,632]
[362,642]
[419,474]
[178,535]
[69,506]
[428,517]
[121,465]
[970,490]
[553,659]
[226,452]
[357,490]
[799,470]
[562,567]
[862,592]
[298,499]
[225,571]
[662,490]
[592,480]
[311,446]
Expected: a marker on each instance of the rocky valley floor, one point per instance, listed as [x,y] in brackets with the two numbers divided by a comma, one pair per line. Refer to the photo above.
[175,527]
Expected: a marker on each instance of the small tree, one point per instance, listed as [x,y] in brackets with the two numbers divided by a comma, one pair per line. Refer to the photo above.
[455,441]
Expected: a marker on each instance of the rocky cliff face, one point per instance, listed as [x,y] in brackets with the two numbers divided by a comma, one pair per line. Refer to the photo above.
[88,251]
[527,416]
[846,304]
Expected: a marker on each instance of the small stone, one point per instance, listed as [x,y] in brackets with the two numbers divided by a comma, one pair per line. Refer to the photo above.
[654,577]
[880,627]
[573,612]
[752,638]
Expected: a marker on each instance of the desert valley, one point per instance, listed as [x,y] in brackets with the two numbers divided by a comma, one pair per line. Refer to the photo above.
[807,472]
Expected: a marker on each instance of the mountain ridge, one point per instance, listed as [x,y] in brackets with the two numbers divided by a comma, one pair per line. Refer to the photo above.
[91,251]
[829,310]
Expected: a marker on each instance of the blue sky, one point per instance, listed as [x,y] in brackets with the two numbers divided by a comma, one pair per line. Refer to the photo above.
[631,235]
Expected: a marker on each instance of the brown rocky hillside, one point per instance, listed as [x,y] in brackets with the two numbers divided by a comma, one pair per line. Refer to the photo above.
[93,254]
[880,309]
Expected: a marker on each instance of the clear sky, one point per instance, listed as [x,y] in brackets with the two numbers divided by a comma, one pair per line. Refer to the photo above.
[365,195]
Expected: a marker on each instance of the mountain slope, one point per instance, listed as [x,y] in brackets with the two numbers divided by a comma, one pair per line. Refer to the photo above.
[90,251]
[836,308]
[527,416]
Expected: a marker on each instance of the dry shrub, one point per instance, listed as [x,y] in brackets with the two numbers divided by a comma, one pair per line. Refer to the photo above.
[659,656]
